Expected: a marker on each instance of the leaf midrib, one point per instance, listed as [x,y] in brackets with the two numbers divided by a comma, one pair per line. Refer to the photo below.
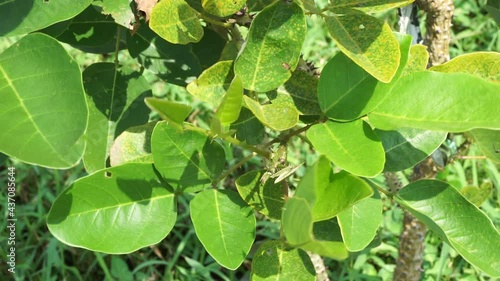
[23,106]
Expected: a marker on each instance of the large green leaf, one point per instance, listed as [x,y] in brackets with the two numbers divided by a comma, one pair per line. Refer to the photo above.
[482,64]
[406,147]
[367,41]
[173,63]
[346,91]
[359,223]
[369,6]
[176,22]
[91,31]
[225,225]
[213,83]
[222,8]
[327,193]
[248,128]
[264,197]
[273,47]
[449,103]
[489,142]
[352,146]
[187,160]
[455,220]
[302,91]
[273,261]
[116,210]
[115,102]
[25,16]
[43,113]
[279,115]
[133,145]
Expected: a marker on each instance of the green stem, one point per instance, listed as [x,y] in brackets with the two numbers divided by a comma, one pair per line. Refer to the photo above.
[215,22]
[230,139]
[117,46]
[233,168]
[287,137]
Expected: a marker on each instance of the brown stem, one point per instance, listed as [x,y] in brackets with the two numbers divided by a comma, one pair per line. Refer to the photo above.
[437,39]
[438,25]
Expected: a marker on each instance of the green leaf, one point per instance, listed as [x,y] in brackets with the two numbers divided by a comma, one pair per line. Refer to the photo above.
[327,193]
[368,41]
[117,210]
[273,47]
[89,30]
[173,63]
[133,145]
[297,221]
[455,220]
[121,12]
[322,237]
[209,49]
[328,240]
[213,83]
[346,91]
[173,112]
[222,8]
[229,110]
[248,128]
[477,195]
[449,103]
[370,6]
[417,60]
[406,147]
[301,90]
[488,141]
[481,64]
[22,17]
[187,160]
[352,146]
[280,115]
[266,198]
[493,8]
[176,22]
[360,222]
[225,225]
[43,113]
[273,262]
[115,102]
[258,5]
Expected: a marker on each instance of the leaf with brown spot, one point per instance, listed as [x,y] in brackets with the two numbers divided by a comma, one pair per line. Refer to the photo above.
[146,6]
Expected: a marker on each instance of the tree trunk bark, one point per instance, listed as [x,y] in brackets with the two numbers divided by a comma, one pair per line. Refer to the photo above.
[412,239]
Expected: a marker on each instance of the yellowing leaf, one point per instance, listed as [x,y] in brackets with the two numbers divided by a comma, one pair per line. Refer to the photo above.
[176,22]
[367,41]
[273,47]
[222,8]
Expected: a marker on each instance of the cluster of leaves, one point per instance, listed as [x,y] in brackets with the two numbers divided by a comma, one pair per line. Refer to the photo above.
[373,103]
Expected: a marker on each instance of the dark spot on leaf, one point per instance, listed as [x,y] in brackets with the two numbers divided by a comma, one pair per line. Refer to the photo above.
[108,174]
